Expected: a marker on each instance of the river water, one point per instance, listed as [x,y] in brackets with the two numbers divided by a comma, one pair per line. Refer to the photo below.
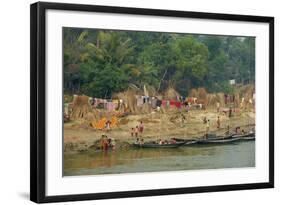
[234,155]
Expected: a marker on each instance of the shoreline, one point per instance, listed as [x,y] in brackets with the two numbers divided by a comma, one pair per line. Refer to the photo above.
[78,137]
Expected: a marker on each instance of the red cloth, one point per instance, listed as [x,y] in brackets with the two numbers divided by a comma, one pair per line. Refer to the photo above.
[175,103]
[178,104]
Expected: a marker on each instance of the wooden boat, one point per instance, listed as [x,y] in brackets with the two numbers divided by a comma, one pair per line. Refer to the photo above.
[227,136]
[219,139]
[187,141]
[247,136]
[211,139]
[156,145]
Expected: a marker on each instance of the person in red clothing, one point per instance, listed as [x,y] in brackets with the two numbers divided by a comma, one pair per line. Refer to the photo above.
[104,143]
[141,127]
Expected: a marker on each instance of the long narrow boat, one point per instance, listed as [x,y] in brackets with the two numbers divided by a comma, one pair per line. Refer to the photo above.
[218,140]
[248,136]
[211,139]
[155,145]
[187,141]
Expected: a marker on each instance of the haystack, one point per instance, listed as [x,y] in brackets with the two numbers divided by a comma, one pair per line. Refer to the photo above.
[151,90]
[80,107]
[199,93]
[247,91]
[213,98]
[67,98]
[193,93]
[220,98]
[171,94]
[146,108]
[129,100]
[202,94]
[237,99]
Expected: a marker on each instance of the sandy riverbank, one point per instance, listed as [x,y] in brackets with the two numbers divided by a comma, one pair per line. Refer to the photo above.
[78,137]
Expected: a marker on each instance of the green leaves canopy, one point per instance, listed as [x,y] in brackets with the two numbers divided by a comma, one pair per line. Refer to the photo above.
[101,62]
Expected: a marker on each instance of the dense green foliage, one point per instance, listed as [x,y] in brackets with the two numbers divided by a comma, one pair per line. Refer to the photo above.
[100,62]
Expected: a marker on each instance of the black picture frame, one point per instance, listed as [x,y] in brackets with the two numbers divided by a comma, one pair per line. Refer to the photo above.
[38,101]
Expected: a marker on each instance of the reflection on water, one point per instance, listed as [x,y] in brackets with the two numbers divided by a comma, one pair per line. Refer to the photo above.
[241,154]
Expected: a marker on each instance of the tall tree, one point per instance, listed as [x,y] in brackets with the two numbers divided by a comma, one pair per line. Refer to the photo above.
[100,62]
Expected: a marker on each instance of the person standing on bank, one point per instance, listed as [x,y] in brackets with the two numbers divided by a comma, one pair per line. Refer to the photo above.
[218,122]
[230,113]
[218,107]
[141,128]
[136,131]
[207,126]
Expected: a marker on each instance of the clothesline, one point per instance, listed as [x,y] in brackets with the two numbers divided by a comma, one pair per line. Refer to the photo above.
[154,102]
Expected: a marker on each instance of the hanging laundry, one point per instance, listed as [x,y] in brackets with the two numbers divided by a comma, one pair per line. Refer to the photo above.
[153,102]
[175,104]
[168,103]
[139,101]
[110,106]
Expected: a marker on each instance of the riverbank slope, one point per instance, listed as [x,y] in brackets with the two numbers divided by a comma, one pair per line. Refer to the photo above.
[175,123]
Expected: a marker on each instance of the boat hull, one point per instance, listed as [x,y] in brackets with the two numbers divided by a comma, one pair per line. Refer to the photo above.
[218,141]
[159,146]
[249,136]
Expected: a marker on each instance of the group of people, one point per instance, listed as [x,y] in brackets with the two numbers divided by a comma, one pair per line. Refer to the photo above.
[239,131]
[228,111]
[228,98]
[137,133]
[139,141]
[208,123]
[162,142]
[106,143]
[138,130]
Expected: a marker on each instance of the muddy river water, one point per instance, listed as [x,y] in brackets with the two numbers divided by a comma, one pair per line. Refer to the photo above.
[234,155]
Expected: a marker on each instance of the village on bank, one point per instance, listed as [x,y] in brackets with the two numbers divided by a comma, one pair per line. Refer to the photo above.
[163,115]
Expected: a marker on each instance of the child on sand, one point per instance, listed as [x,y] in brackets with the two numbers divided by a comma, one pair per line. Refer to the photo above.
[132,132]
[141,127]
[136,131]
